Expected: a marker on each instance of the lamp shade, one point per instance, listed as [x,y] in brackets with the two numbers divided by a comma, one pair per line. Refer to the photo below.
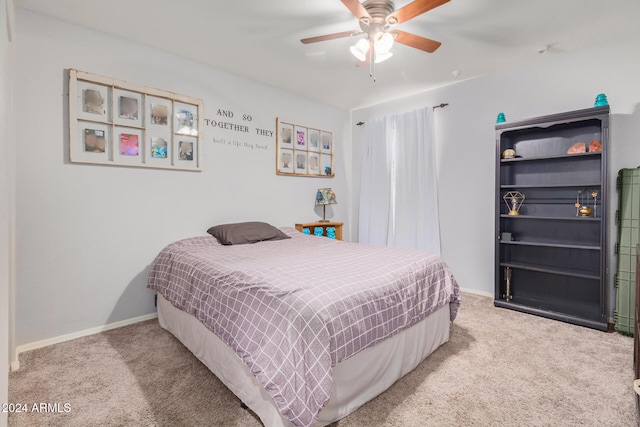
[382,42]
[383,57]
[360,49]
[325,196]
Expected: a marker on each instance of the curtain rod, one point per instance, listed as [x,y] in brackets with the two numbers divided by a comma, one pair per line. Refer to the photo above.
[441,105]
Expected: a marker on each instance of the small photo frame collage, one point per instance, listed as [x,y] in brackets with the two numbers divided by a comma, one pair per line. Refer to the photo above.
[303,150]
[119,123]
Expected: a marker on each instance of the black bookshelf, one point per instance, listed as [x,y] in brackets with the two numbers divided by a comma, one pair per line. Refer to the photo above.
[556,259]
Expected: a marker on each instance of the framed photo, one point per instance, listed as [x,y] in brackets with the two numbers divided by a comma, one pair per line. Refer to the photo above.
[127,108]
[300,138]
[185,151]
[303,150]
[186,119]
[93,102]
[326,165]
[326,142]
[285,161]
[159,114]
[128,145]
[313,164]
[285,135]
[159,111]
[300,161]
[119,123]
[158,151]
[314,140]
[93,143]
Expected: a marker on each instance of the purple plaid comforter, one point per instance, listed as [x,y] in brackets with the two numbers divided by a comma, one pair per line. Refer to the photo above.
[291,309]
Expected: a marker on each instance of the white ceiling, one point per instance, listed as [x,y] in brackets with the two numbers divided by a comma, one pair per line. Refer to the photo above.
[260,39]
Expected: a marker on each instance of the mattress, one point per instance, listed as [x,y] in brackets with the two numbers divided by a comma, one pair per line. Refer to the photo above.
[355,380]
[293,309]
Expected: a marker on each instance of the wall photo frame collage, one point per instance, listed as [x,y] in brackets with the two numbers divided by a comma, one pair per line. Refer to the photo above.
[114,122]
[304,150]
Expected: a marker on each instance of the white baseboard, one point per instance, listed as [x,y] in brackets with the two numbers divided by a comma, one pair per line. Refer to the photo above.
[15,364]
[476,292]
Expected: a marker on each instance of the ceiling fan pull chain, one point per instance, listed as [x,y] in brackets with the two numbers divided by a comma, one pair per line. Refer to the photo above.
[372,70]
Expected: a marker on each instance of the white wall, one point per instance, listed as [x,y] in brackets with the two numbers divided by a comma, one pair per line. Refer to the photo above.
[556,82]
[86,234]
[6,205]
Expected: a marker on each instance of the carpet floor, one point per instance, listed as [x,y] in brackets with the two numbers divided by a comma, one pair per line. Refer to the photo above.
[500,368]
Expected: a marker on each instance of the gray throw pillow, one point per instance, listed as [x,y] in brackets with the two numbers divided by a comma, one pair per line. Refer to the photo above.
[246,232]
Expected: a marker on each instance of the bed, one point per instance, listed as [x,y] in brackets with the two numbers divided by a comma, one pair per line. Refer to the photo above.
[304,329]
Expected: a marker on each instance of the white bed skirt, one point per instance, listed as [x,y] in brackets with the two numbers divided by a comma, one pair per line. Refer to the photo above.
[355,380]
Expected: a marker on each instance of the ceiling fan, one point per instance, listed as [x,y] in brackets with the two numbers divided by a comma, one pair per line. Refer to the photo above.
[376,18]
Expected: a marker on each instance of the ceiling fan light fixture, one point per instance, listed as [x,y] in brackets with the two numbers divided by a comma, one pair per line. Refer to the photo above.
[382,42]
[360,49]
[383,56]
[376,19]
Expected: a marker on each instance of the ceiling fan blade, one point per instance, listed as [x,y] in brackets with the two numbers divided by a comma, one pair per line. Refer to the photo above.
[331,36]
[417,42]
[413,9]
[357,9]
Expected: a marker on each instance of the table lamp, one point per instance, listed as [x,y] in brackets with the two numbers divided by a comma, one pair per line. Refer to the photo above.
[325,197]
[514,200]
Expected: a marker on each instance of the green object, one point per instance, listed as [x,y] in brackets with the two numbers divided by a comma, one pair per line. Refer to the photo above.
[501,118]
[628,214]
[601,100]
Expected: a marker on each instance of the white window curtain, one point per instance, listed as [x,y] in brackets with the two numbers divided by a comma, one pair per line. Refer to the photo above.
[398,190]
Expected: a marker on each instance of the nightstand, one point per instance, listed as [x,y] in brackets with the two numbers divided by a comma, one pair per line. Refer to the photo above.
[323,225]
